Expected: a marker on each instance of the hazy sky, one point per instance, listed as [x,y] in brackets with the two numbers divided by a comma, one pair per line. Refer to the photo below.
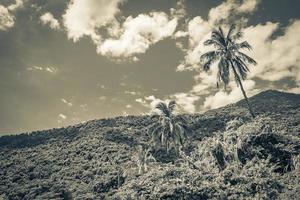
[66,61]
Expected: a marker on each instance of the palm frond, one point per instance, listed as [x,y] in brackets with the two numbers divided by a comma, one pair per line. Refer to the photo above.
[237,36]
[152,128]
[210,57]
[231,31]
[245,58]
[242,63]
[221,32]
[241,70]
[218,35]
[171,105]
[163,108]
[244,45]
[215,43]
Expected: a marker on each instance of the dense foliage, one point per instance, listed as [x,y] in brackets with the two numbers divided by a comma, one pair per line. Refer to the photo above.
[230,156]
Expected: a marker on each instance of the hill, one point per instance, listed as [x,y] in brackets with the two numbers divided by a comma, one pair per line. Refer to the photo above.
[229,156]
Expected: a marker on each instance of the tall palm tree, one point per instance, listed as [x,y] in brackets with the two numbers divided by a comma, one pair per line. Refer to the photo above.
[228,53]
[169,129]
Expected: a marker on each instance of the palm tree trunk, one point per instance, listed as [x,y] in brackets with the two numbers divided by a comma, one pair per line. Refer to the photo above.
[242,88]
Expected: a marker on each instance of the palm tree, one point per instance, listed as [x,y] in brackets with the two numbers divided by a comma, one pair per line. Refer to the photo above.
[144,157]
[228,53]
[169,129]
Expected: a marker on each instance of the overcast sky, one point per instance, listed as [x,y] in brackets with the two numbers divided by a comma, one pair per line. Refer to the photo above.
[66,61]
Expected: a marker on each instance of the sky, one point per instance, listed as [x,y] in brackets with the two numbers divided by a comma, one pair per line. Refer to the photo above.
[63,62]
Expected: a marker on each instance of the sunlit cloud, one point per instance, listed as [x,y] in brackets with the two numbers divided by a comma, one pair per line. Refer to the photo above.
[66,102]
[222,98]
[138,34]
[85,17]
[62,116]
[48,19]
[277,57]
[7,18]
[51,70]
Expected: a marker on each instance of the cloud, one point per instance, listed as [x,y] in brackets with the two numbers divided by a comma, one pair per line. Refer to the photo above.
[48,19]
[186,102]
[149,101]
[62,116]
[248,6]
[277,57]
[7,19]
[222,98]
[66,102]
[133,93]
[18,4]
[115,36]
[198,31]
[230,9]
[52,70]
[86,17]
[102,98]
[294,90]
[138,34]
[180,10]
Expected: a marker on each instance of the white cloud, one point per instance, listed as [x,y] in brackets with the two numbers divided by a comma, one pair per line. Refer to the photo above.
[133,93]
[186,101]
[48,19]
[294,90]
[231,8]
[13,7]
[123,38]
[85,17]
[66,102]
[138,34]
[7,19]
[248,6]
[52,70]
[277,57]
[180,10]
[222,98]
[102,98]
[62,116]
[149,102]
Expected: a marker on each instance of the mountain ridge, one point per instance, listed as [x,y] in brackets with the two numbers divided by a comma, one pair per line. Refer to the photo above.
[264,94]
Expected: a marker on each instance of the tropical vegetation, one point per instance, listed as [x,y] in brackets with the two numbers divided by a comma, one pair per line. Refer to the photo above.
[229,55]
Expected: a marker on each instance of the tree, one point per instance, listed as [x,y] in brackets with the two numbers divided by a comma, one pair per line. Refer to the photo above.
[228,53]
[144,157]
[169,129]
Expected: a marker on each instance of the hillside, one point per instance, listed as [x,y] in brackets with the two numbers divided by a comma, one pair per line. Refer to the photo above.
[229,156]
